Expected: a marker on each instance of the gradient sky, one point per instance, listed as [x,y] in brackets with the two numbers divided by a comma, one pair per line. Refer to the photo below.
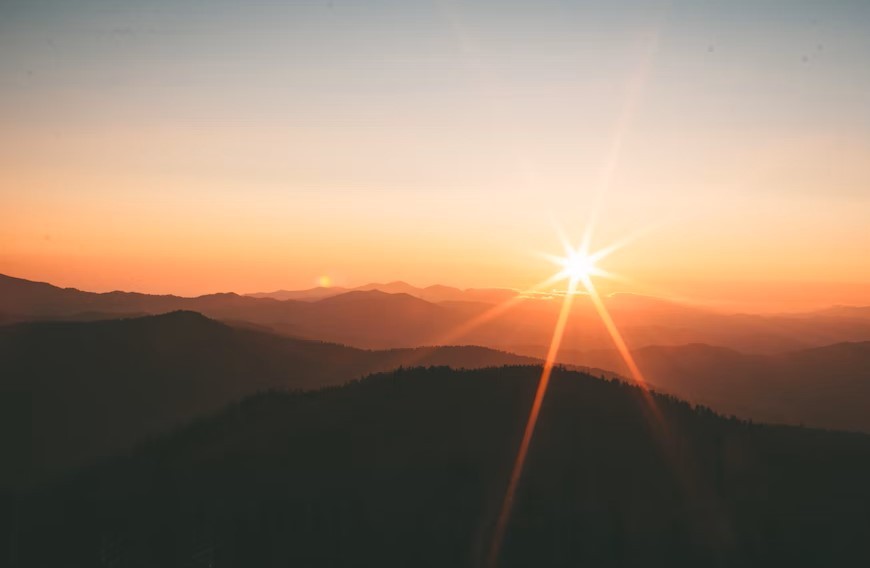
[196,146]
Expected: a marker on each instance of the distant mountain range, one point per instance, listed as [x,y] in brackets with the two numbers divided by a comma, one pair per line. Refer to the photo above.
[435,294]
[381,320]
[826,387]
[409,469]
[74,391]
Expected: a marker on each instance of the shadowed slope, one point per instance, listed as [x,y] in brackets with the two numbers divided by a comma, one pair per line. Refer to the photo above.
[75,390]
[407,469]
[825,387]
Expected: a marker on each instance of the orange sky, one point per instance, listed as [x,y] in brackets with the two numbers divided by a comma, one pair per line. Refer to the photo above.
[173,150]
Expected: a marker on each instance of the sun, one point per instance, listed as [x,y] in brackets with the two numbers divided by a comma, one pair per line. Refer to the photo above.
[578,266]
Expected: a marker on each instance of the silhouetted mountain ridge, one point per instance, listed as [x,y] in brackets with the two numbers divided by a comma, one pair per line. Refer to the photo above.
[383,320]
[435,293]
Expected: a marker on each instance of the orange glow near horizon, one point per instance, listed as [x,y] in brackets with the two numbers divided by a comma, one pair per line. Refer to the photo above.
[232,160]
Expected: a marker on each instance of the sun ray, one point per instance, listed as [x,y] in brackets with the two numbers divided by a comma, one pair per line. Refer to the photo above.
[563,237]
[488,315]
[543,382]
[625,241]
[492,312]
[579,266]
[665,438]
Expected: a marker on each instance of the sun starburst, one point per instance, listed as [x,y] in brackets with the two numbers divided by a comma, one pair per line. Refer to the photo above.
[579,266]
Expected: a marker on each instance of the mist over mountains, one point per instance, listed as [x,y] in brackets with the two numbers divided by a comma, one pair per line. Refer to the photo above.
[809,368]
[826,387]
[435,293]
[379,320]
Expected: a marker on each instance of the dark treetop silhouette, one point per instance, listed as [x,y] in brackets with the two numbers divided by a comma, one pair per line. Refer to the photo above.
[408,469]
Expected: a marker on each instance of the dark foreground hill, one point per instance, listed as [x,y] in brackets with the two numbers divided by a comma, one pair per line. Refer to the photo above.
[409,468]
[73,391]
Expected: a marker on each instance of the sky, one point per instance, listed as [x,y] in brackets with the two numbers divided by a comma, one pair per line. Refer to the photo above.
[196,146]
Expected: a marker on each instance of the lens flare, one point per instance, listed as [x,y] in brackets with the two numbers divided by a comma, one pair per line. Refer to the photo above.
[516,472]
[578,268]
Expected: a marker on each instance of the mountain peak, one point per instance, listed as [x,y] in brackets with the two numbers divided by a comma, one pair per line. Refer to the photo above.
[373,294]
[180,315]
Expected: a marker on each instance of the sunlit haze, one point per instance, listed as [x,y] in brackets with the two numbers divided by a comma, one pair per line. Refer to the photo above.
[198,146]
